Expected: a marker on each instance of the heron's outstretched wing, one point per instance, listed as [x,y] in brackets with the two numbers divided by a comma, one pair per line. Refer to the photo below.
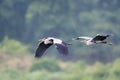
[100,37]
[62,48]
[83,37]
[41,49]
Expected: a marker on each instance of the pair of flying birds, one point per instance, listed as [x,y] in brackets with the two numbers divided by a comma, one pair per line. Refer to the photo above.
[61,46]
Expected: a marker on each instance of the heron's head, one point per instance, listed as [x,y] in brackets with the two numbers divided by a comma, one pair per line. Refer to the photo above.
[77,38]
[48,41]
[51,40]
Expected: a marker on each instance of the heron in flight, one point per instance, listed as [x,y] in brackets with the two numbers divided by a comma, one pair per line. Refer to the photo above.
[45,43]
[98,39]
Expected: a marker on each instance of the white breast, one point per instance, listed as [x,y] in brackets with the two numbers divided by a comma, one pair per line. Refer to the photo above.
[89,42]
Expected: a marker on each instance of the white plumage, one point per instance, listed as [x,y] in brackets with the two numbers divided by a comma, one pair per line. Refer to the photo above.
[45,43]
[98,39]
[55,40]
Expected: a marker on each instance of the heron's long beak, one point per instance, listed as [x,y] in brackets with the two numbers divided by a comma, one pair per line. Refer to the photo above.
[41,40]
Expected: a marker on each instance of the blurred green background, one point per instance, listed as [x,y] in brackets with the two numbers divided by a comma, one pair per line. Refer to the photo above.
[23,22]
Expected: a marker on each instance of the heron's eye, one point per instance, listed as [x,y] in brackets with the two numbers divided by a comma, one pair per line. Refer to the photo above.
[51,40]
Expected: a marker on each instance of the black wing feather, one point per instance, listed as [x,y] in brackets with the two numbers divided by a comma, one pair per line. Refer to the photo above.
[62,48]
[100,37]
[41,49]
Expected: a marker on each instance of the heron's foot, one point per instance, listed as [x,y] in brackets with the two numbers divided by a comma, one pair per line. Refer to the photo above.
[110,43]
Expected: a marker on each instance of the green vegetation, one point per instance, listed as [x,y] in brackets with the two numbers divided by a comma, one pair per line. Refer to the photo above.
[13,46]
[9,74]
[45,64]
[52,69]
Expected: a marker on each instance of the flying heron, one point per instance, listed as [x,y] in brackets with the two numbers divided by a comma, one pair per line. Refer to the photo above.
[98,39]
[45,43]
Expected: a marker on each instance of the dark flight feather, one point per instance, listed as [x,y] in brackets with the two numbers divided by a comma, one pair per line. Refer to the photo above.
[41,49]
[100,37]
[62,48]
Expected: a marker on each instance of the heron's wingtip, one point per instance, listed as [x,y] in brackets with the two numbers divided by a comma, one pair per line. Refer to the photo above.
[36,56]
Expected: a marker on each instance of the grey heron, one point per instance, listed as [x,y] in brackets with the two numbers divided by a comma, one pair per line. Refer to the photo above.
[98,39]
[45,43]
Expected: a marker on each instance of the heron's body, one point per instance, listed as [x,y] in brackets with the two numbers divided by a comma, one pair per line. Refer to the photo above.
[98,39]
[88,42]
[45,43]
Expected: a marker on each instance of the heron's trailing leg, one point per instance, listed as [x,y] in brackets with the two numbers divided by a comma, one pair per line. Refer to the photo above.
[105,42]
